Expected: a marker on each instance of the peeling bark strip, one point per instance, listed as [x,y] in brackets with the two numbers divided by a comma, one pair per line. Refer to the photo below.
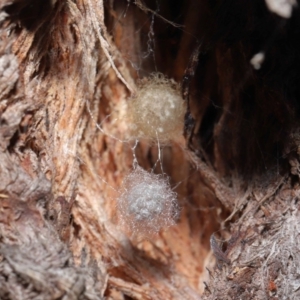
[263,259]
[34,262]
[67,74]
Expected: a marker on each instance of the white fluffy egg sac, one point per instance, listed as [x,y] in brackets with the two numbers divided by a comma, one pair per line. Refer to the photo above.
[147,203]
[157,109]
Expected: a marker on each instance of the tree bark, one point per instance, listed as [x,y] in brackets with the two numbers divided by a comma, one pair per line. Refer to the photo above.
[67,72]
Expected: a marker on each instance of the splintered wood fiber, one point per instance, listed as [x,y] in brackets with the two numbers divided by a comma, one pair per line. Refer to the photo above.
[149,149]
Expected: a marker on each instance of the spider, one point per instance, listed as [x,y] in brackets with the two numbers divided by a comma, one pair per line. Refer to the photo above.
[189,121]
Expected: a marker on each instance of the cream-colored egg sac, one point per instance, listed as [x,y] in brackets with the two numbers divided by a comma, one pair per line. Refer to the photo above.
[157,109]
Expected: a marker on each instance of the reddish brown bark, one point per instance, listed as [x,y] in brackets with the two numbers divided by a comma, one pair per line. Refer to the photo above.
[67,72]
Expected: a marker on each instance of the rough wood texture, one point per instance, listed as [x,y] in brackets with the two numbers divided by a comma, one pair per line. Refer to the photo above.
[67,71]
[55,157]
